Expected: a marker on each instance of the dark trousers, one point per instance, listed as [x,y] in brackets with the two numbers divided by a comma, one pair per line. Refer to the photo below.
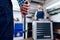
[6,20]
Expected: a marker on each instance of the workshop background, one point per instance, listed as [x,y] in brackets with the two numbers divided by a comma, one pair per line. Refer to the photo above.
[51,13]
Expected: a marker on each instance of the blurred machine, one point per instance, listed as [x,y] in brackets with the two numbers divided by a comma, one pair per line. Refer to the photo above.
[29,27]
[42,30]
[18,26]
[18,30]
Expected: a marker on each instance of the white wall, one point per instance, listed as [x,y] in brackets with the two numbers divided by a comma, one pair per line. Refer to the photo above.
[53,4]
[16,10]
[15,5]
[18,15]
[50,2]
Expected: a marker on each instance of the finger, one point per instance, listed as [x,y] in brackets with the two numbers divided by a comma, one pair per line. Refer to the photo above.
[27,8]
[27,5]
[23,12]
[23,9]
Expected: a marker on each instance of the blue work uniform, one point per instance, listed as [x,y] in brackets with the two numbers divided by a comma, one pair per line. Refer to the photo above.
[6,20]
[39,14]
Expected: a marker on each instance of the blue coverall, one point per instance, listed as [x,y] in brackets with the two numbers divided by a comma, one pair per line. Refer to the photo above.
[6,20]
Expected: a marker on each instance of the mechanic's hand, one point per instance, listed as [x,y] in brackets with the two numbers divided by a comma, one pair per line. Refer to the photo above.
[25,9]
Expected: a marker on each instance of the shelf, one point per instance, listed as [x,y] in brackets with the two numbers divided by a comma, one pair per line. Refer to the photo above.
[54,10]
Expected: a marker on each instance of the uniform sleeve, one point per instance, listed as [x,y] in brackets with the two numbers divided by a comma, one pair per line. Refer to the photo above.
[35,15]
[21,2]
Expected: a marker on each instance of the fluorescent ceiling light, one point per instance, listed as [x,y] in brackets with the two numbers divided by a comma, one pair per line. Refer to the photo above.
[53,5]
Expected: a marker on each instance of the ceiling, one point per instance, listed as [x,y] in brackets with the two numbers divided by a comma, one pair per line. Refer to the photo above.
[38,1]
[33,6]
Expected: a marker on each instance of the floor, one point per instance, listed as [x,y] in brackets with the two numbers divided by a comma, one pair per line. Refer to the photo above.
[29,39]
[23,39]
